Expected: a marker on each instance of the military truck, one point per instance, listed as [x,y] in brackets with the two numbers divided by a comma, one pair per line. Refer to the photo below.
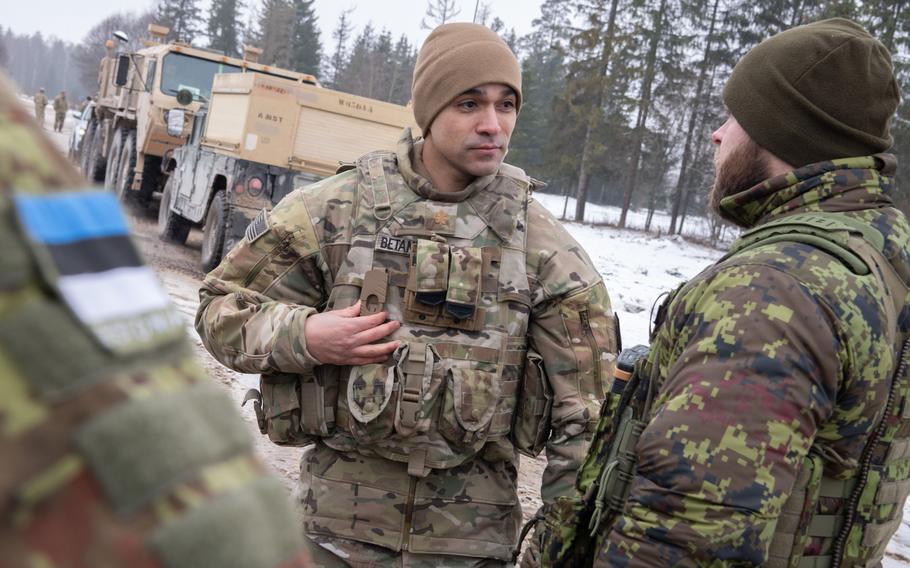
[259,138]
[138,120]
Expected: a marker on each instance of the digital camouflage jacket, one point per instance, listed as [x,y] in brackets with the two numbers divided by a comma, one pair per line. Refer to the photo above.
[775,369]
[419,453]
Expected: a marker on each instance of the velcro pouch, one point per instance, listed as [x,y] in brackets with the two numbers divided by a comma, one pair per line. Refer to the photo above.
[531,429]
[281,409]
[463,292]
[431,266]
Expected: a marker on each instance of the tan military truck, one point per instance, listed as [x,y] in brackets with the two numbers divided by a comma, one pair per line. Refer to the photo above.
[259,138]
[139,119]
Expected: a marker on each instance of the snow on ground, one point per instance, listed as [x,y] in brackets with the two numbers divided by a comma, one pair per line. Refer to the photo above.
[698,227]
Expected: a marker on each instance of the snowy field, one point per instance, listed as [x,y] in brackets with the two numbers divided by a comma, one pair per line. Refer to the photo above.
[697,227]
[637,267]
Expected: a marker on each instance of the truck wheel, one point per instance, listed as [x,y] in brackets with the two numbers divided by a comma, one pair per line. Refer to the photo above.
[171,226]
[113,161]
[126,164]
[94,169]
[151,179]
[213,232]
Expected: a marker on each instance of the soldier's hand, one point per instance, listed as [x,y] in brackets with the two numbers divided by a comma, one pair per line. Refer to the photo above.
[344,337]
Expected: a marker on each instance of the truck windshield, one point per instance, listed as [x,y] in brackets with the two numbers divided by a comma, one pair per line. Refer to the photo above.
[179,71]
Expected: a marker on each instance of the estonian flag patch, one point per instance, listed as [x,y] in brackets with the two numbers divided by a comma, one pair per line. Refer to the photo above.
[84,251]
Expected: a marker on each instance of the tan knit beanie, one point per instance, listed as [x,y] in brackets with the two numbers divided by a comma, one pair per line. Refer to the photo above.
[455,58]
[816,92]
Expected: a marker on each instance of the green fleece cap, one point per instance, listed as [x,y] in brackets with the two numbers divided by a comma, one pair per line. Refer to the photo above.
[817,92]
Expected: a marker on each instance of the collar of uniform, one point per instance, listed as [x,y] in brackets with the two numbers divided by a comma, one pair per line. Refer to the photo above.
[838,185]
[409,164]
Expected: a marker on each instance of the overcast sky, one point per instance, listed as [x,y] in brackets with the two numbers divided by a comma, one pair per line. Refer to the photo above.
[70,20]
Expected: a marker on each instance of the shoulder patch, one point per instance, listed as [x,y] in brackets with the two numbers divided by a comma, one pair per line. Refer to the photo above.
[80,242]
[258,227]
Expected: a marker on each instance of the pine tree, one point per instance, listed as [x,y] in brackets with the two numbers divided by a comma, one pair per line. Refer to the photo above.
[341,35]
[223,26]
[274,25]
[181,16]
[250,33]
[654,35]
[603,35]
[543,77]
[483,13]
[439,12]
[681,193]
[403,59]
[306,49]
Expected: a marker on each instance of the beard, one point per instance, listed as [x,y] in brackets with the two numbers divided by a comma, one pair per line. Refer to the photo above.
[743,169]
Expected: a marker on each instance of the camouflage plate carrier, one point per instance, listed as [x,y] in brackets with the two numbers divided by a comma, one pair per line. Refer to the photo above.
[825,522]
[453,274]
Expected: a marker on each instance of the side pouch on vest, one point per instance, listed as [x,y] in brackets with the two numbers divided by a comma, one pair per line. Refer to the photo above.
[799,529]
[471,398]
[531,429]
[281,410]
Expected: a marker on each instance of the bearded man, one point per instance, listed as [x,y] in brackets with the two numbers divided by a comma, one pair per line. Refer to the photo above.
[777,417]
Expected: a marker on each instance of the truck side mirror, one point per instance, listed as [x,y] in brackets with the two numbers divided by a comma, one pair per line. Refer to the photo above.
[184,97]
[123,69]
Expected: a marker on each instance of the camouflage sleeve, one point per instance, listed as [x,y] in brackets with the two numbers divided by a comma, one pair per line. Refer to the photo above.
[751,371]
[572,328]
[254,305]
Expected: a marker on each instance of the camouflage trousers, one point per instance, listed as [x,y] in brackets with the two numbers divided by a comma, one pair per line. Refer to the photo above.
[362,511]
[59,119]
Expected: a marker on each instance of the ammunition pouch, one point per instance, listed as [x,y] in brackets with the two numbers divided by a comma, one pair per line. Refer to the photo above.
[531,428]
[294,410]
[572,528]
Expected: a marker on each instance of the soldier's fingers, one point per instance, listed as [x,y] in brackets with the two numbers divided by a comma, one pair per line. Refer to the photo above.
[366,322]
[349,312]
[365,360]
[376,333]
[374,351]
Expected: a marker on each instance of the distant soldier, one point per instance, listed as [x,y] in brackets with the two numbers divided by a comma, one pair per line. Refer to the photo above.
[422,320]
[116,449]
[60,107]
[40,100]
[770,423]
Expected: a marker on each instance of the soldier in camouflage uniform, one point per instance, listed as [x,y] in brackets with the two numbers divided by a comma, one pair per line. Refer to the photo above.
[116,449]
[778,432]
[60,108]
[422,320]
[40,100]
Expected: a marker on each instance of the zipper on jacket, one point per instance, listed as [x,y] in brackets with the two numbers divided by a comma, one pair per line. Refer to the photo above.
[257,268]
[408,513]
[595,352]
[837,548]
